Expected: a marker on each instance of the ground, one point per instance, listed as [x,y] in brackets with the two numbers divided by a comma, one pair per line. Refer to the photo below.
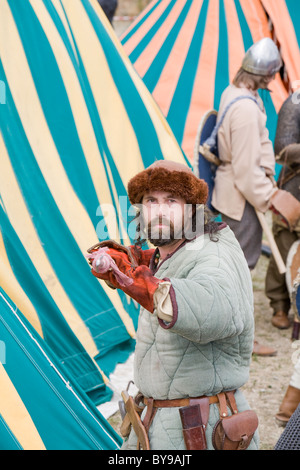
[269,376]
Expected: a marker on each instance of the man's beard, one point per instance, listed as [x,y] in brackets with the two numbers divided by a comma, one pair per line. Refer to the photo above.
[162,236]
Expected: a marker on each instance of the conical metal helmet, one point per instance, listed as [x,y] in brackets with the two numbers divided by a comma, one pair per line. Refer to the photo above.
[262,58]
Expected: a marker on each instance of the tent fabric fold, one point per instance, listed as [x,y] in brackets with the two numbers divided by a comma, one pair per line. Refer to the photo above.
[76,123]
[284,16]
[80,114]
[187,52]
[41,407]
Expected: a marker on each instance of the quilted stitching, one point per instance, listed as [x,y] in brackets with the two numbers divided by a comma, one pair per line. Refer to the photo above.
[209,347]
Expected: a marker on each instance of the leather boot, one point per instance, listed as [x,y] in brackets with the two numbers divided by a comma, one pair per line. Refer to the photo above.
[289,404]
[280,320]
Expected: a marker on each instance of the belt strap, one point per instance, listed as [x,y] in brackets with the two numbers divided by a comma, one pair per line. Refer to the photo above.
[224,399]
[180,402]
[149,414]
[203,402]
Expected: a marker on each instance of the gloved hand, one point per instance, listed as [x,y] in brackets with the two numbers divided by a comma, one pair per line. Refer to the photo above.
[287,206]
[142,285]
[135,253]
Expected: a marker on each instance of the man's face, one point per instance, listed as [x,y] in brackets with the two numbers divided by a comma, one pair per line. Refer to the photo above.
[163,217]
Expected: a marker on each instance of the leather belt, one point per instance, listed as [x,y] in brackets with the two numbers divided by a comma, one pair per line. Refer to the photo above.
[180,402]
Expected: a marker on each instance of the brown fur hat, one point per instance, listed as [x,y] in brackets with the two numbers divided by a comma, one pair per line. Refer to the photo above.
[169,176]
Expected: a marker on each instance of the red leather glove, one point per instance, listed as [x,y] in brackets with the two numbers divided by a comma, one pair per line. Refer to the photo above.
[143,284]
[135,253]
[143,256]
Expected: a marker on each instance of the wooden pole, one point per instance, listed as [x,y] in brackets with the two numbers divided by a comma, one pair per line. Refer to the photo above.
[274,248]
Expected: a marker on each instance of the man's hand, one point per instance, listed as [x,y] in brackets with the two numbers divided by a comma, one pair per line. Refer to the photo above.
[287,206]
[143,284]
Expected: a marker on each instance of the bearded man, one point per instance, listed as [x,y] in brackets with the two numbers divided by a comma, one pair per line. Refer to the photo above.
[195,330]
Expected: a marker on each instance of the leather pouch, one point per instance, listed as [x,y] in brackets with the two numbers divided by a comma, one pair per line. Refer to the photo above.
[192,427]
[233,432]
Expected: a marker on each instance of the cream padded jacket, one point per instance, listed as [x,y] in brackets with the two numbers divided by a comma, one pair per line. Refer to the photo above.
[247,156]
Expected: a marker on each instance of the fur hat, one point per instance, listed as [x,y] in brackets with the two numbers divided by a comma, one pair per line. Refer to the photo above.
[169,176]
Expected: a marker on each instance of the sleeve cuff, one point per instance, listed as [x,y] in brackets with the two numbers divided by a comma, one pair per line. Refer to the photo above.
[162,302]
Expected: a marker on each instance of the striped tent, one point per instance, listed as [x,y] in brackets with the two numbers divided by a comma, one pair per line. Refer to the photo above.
[188,51]
[41,408]
[284,16]
[76,122]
